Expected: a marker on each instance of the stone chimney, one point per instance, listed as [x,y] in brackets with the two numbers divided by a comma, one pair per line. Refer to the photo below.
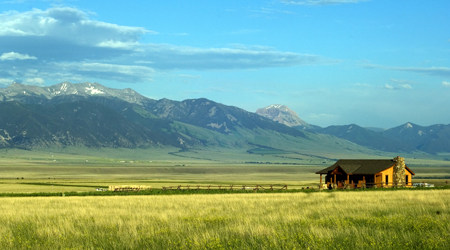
[399,177]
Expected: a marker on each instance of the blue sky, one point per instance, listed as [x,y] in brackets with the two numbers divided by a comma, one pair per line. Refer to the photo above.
[376,63]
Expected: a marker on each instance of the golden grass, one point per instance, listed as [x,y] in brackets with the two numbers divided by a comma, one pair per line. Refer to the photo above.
[326,220]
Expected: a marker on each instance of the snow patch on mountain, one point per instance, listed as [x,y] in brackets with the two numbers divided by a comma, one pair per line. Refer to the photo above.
[93,91]
[282,114]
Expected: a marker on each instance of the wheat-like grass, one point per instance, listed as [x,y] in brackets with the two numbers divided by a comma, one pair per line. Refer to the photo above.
[336,220]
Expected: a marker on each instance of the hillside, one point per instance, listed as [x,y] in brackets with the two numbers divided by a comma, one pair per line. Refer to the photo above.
[431,139]
[407,138]
[366,137]
[69,124]
[91,115]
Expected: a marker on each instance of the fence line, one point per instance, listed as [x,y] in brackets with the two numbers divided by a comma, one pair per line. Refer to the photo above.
[127,188]
[271,187]
[226,187]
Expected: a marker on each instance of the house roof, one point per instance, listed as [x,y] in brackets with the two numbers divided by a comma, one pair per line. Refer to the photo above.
[361,166]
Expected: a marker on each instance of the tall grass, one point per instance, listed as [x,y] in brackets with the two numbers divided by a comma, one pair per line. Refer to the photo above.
[321,220]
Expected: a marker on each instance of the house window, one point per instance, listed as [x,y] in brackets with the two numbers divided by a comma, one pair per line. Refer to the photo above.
[406,180]
[387,179]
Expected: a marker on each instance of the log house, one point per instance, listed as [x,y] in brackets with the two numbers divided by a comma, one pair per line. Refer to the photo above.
[367,173]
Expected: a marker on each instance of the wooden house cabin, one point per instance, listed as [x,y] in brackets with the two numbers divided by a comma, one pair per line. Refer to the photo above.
[367,173]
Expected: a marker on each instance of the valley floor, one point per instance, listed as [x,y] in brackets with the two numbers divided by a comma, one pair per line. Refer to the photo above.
[81,170]
[400,219]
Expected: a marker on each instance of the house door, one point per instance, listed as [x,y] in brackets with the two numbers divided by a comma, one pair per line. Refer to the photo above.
[378,180]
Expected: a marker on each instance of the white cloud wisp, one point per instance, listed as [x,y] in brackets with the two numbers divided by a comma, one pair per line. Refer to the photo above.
[66,42]
[15,56]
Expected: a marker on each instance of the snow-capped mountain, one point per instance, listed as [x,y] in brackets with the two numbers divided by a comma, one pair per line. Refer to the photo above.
[93,115]
[22,93]
[284,115]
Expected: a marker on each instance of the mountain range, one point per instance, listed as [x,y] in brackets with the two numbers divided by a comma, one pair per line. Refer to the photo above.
[92,115]
[284,115]
[408,137]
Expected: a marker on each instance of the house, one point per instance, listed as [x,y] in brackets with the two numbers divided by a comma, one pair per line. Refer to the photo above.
[367,173]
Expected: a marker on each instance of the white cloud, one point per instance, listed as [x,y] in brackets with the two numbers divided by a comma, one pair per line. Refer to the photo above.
[72,46]
[362,84]
[124,69]
[446,84]
[143,62]
[439,71]
[34,81]
[66,23]
[405,86]
[402,81]
[320,2]
[166,56]
[387,86]
[15,56]
[117,44]
[123,73]
[5,82]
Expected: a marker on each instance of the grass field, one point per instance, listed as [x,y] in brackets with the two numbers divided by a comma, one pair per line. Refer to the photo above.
[79,169]
[396,219]
[408,219]
[48,178]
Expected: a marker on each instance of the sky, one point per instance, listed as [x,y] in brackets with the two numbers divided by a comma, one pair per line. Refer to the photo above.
[375,63]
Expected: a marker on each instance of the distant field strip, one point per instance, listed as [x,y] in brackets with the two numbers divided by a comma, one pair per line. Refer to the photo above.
[402,219]
[230,187]
[60,184]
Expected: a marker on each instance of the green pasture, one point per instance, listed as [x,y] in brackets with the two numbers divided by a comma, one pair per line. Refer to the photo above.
[402,219]
[87,178]
[83,169]
[412,219]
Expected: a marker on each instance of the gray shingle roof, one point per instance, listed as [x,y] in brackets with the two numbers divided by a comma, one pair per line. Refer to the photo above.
[361,166]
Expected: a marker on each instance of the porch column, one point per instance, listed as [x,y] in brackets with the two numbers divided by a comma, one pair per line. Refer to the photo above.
[334,178]
[320,180]
[348,179]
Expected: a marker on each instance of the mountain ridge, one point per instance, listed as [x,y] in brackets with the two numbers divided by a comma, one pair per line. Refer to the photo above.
[23,93]
[408,137]
[127,119]
[284,115]
[184,124]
